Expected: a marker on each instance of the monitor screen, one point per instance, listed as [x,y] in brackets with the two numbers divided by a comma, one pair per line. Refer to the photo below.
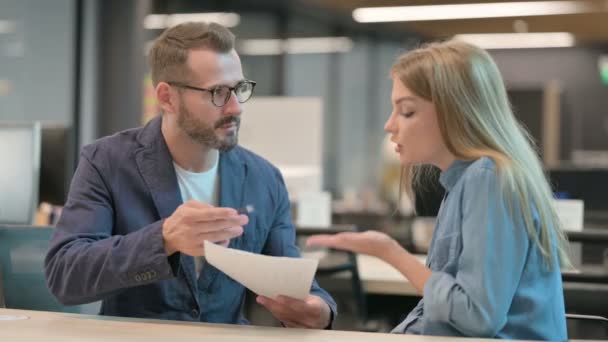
[56,163]
[587,184]
[19,171]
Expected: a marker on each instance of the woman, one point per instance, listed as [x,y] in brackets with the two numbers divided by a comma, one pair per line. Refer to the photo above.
[493,268]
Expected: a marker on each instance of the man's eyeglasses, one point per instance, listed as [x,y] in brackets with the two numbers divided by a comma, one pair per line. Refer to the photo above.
[221,94]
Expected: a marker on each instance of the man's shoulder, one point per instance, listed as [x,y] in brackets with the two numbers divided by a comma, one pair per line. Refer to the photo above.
[117,145]
[254,160]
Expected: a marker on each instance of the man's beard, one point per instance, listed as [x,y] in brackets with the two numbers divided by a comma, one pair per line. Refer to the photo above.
[205,134]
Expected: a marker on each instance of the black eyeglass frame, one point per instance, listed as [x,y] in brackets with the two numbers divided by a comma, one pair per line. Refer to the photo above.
[214,89]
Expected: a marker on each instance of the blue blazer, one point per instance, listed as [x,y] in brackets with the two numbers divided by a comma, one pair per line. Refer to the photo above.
[108,244]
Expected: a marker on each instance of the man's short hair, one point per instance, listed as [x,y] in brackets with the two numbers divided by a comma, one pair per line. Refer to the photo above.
[169,55]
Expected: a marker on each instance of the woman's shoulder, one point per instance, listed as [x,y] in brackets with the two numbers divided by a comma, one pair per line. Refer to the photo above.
[482,168]
[484,163]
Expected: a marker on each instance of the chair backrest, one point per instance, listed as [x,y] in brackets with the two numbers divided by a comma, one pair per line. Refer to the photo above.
[22,252]
[585,327]
[341,261]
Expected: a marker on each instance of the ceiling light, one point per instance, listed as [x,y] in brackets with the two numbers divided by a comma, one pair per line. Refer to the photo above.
[469,11]
[318,45]
[518,40]
[261,47]
[162,21]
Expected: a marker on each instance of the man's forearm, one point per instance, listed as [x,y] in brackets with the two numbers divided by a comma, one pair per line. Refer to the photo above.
[85,271]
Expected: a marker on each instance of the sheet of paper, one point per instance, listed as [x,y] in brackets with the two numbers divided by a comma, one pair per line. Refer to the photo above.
[264,275]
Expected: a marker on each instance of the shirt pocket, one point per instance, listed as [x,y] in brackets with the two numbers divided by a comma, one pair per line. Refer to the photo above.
[444,251]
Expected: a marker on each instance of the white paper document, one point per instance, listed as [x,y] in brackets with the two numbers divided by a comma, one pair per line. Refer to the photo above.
[264,275]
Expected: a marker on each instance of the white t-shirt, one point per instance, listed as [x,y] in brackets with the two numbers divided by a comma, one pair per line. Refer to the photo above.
[199,186]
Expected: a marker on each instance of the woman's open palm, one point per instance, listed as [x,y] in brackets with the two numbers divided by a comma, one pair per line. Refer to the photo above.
[370,242]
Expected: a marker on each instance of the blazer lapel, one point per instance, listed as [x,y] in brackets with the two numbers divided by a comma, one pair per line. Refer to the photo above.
[156,167]
[233,175]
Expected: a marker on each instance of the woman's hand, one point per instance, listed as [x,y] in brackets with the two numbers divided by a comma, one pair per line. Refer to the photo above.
[370,242]
[381,246]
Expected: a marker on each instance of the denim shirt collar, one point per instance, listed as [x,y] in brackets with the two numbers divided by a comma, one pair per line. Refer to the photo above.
[450,177]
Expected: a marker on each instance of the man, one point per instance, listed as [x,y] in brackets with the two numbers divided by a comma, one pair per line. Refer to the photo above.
[143,201]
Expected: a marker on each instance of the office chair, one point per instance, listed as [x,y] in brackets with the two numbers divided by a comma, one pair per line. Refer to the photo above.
[22,252]
[2,302]
[585,327]
[347,263]
[585,292]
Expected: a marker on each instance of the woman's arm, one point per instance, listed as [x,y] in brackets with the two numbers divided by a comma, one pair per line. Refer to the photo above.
[408,265]
[382,246]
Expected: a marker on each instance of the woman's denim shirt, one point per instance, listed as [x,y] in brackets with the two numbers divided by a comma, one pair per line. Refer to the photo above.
[489,278]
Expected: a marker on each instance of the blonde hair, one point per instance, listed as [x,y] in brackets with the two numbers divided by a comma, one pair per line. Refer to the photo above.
[169,55]
[476,120]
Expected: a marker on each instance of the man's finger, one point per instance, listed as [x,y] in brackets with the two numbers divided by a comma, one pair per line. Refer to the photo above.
[219,225]
[222,235]
[239,220]
[293,304]
[283,313]
[223,243]
[196,204]
[305,312]
[299,313]
[267,302]
[198,213]
[294,325]
[275,307]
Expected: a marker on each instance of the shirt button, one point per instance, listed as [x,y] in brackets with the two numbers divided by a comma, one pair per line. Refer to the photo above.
[195,313]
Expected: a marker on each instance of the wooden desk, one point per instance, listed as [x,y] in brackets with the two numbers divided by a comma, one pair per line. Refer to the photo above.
[59,327]
[379,277]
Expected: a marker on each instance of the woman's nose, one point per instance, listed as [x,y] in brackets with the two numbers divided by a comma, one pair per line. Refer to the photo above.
[390,126]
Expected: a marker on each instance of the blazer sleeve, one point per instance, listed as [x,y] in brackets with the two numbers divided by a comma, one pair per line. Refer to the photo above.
[85,262]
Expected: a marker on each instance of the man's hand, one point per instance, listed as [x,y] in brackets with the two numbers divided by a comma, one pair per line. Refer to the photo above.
[313,313]
[194,222]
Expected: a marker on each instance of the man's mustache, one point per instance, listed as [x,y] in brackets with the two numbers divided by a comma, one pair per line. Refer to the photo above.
[227,120]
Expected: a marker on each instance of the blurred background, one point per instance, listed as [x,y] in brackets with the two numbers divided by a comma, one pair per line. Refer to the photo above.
[78,69]
[81,65]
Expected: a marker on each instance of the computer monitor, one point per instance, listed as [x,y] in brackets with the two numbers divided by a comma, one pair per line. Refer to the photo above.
[19,174]
[58,151]
[588,184]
